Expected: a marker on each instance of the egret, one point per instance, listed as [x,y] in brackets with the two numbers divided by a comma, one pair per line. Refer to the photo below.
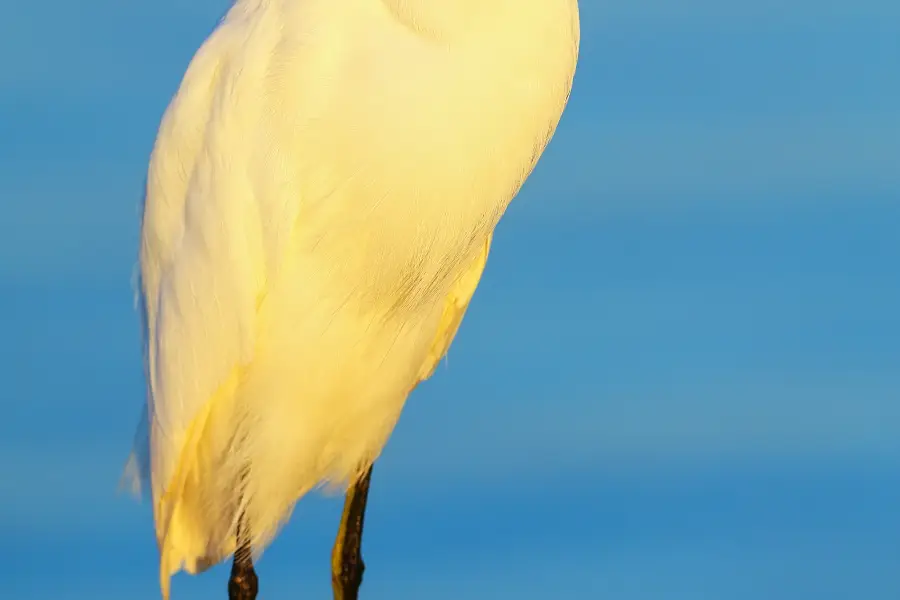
[319,205]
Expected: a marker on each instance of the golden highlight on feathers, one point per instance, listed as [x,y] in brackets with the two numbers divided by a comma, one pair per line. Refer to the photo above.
[319,209]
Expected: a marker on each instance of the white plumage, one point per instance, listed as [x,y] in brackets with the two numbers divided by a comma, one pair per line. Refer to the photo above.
[319,207]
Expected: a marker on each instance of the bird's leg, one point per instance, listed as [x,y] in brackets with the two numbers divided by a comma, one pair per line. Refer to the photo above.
[243,584]
[346,558]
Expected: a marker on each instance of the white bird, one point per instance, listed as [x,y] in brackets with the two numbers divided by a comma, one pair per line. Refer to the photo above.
[319,206]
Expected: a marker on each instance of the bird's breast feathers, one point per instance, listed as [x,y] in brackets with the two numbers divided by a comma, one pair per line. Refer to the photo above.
[321,155]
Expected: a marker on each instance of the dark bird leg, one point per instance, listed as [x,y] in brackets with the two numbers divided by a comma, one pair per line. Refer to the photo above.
[346,558]
[243,584]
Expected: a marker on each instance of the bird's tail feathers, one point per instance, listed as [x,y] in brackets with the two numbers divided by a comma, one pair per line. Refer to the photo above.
[135,476]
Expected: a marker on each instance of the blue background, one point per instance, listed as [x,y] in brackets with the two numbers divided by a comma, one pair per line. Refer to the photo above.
[679,378]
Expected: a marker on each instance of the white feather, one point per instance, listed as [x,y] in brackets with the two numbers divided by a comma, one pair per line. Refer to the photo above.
[319,208]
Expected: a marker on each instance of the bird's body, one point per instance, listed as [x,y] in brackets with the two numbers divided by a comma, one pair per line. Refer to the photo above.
[320,203]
